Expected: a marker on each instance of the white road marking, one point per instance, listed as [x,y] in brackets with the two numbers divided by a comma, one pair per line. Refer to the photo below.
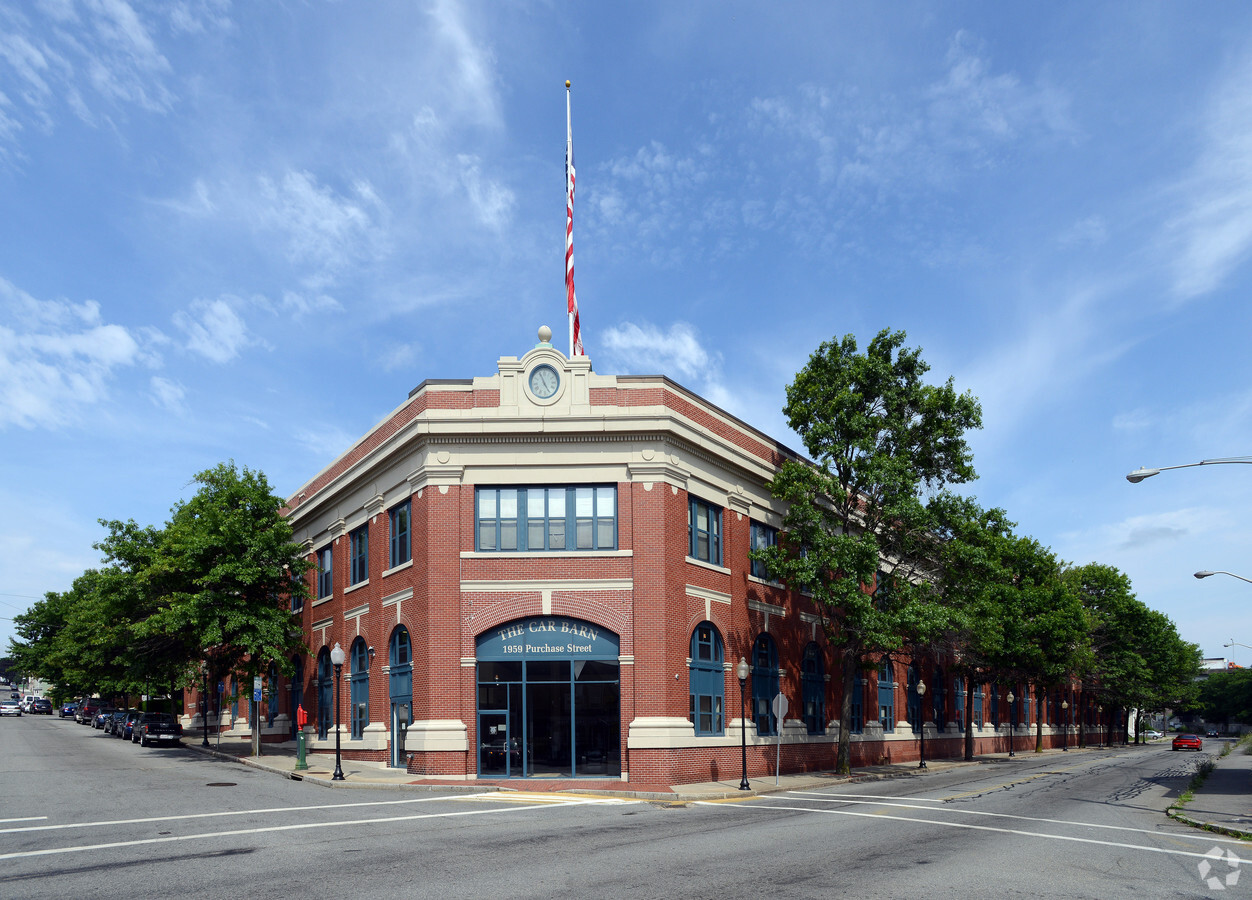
[1207,836]
[968,827]
[52,851]
[26,819]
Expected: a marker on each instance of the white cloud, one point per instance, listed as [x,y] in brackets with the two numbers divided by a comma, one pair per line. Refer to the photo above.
[301,305]
[324,232]
[472,65]
[492,202]
[401,357]
[1212,235]
[56,358]
[166,394]
[213,328]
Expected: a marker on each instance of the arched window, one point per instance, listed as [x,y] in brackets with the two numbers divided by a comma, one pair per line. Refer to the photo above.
[360,687]
[813,678]
[271,707]
[764,684]
[857,725]
[400,668]
[958,692]
[325,692]
[886,696]
[938,695]
[913,703]
[707,680]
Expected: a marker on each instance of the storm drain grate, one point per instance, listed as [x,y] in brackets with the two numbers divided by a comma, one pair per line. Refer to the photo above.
[221,784]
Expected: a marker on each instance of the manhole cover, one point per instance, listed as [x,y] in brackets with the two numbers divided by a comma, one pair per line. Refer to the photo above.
[220,784]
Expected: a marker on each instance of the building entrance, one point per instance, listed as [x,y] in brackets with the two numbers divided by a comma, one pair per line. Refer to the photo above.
[549,700]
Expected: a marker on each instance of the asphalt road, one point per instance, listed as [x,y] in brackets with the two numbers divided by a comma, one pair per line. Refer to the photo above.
[86,815]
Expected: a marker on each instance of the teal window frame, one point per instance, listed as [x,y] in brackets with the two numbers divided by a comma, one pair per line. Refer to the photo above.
[400,532]
[761,537]
[938,696]
[764,684]
[359,688]
[857,723]
[325,571]
[704,531]
[551,519]
[813,689]
[359,554]
[886,696]
[707,680]
[914,703]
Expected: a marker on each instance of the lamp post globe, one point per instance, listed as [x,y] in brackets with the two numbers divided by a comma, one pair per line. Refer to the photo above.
[1064,725]
[921,723]
[1010,698]
[336,660]
[742,671]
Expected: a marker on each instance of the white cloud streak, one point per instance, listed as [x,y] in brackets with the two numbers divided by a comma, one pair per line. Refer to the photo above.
[58,357]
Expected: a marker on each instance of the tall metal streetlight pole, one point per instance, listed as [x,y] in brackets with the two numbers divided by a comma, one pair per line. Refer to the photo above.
[1010,698]
[1143,472]
[742,671]
[921,721]
[336,659]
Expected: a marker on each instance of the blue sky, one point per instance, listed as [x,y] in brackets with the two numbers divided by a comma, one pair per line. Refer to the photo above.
[247,231]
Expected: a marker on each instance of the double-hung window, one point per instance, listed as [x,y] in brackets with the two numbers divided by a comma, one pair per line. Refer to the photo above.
[762,536]
[814,690]
[704,532]
[401,546]
[359,552]
[857,725]
[886,697]
[546,518]
[977,711]
[325,572]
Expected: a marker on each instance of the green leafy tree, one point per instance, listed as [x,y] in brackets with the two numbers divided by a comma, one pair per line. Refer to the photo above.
[226,568]
[878,436]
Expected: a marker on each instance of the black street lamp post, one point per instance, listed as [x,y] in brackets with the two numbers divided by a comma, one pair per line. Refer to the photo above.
[921,722]
[1064,725]
[742,671]
[336,659]
[1010,698]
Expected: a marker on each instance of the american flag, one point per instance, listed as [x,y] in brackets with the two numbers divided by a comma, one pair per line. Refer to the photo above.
[571,302]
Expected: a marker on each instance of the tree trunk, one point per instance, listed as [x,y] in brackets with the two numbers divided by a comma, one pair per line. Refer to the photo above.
[843,756]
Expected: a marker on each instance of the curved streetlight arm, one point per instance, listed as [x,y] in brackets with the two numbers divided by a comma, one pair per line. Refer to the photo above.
[1206,574]
[1144,472]
[1234,643]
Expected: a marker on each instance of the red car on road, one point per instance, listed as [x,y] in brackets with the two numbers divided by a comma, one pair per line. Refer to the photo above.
[1188,742]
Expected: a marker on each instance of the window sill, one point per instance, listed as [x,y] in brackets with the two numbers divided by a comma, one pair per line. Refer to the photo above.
[404,565]
[355,587]
[543,554]
[708,565]
[320,600]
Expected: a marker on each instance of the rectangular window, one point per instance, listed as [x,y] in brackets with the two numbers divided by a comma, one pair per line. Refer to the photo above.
[762,536]
[325,572]
[401,546]
[704,532]
[547,518]
[360,552]
[297,593]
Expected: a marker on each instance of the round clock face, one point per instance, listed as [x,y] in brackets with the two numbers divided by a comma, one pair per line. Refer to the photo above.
[544,381]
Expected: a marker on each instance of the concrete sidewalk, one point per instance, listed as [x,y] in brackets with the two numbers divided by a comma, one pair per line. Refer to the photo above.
[1224,802]
[281,759]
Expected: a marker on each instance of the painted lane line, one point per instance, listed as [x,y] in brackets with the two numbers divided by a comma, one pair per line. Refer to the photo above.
[884,817]
[27,819]
[867,796]
[1207,837]
[53,851]
[236,812]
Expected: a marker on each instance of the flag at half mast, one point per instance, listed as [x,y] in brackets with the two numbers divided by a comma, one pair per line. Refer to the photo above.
[571,301]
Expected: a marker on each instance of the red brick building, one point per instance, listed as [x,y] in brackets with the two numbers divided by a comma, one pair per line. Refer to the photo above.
[544,572]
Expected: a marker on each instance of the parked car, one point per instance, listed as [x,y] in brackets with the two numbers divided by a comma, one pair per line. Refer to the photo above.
[114,719]
[157,728]
[1152,735]
[102,716]
[42,706]
[10,708]
[127,728]
[27,701]
[1212,734]
[1188,742]
[87,710]
[68,709]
